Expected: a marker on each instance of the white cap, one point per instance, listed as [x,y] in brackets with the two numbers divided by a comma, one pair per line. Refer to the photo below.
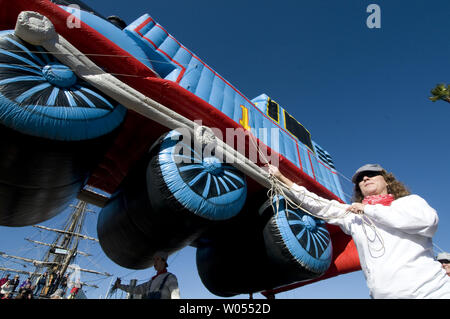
[366,168]
[443,256]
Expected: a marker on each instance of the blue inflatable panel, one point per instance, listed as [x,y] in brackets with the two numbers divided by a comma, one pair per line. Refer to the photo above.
[111,32]
[41,97]
[205,186]
[174,62]
[305,237]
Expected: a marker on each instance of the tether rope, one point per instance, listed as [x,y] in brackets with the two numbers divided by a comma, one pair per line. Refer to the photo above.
[276,190]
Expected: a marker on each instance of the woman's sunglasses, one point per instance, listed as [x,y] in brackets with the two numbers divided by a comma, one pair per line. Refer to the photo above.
[368,174]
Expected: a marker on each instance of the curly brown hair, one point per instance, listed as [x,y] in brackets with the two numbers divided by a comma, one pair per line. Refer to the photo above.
[394,187]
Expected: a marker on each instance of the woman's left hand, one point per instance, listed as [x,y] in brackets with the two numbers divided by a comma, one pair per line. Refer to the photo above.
[356,208]
[273,170]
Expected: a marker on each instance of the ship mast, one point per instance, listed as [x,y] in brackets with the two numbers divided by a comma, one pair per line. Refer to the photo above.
[62,251]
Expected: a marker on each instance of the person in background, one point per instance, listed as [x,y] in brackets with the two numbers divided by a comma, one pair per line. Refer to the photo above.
[25,282]
[27,291]
[53,282]
[40,283]
[74,291]
[444,259]
[4,280]
[6,289]
[63,283]
[15,282]
[164,285]
[391,228]
[58,294]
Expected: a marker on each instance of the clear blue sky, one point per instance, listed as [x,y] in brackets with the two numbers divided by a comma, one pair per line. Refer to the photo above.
[362,93]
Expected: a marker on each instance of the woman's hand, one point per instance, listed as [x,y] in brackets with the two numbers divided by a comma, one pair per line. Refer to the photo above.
[273,170]
[356,208]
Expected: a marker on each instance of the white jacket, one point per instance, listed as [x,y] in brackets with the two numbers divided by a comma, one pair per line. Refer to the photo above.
[170,289]
[396,253]
[6,288]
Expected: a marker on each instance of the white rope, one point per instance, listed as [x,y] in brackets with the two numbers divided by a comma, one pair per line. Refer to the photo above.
[56,53]
[276,190]
[442,251]
[97,54]
[262,156]
[40,31]
[368,222]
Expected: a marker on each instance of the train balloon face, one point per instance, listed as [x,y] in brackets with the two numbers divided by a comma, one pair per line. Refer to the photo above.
[64,136]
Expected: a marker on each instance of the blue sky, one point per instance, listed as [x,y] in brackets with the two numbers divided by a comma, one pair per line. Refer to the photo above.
[362,93]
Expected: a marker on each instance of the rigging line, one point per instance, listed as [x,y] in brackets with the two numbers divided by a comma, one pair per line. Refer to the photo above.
[274,181]
[95,264]
[252,138]
[133,75]
[95,54]
[276,190]
[129,274]
[442,251]
[115,74]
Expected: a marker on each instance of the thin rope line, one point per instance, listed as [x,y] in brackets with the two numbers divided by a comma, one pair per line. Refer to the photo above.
[94,54]
[276,191]
[252,137]
[328,184]
[442,251]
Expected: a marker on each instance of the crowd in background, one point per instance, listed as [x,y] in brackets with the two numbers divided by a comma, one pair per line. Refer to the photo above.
[53,286]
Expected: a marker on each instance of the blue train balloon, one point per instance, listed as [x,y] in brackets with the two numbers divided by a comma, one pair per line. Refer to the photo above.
[64,134]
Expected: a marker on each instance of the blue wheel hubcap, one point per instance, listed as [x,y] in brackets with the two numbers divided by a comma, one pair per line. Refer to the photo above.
[212,165]
[309,222]
[59,75]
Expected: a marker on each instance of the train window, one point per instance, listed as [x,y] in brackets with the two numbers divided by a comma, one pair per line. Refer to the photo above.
[296,129]
[273,110]
[324,156]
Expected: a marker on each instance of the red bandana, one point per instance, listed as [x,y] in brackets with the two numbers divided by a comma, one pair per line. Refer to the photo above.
[385,200]
[159,273]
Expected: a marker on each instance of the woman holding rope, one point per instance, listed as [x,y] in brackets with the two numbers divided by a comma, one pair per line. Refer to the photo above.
[392,230]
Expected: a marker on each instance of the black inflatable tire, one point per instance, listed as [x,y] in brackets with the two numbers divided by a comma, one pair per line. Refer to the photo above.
[202,186]
[294,236]
[54,128]
[120,239]
[27,206]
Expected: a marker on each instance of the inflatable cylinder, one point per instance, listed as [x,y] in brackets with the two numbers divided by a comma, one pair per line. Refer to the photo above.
[265,249]
[171,197]
[54,128]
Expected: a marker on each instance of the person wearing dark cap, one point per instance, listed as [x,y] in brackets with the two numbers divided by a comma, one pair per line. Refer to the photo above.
[164,285]
[392,230]
[444,259]
[15,282]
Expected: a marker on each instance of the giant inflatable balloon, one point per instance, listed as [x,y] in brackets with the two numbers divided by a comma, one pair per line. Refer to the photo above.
[52,124]
[128,111]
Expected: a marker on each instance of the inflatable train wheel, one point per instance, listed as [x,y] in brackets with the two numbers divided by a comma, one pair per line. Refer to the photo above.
[54,128]
[120,238]
[272,247]
[167,202]
[296,239]
[182,179]
[42,97]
